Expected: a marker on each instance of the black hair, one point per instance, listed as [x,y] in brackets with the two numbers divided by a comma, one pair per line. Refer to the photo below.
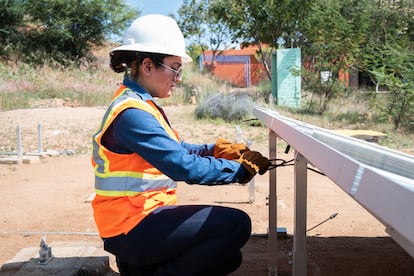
[121,60]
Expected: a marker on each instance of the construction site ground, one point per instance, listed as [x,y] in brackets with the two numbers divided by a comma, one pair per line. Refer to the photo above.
[49,197]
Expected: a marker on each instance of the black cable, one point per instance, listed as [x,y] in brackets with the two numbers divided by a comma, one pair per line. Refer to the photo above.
[283,163]
[330,217]
[316,171]
[248,120]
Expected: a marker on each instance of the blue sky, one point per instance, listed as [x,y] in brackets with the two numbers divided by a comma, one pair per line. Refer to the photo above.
[164,7]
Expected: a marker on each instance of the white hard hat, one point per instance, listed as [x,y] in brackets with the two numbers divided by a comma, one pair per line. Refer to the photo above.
[155,33]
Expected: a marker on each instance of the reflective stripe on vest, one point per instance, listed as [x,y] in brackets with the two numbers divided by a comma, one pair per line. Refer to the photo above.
[127,174]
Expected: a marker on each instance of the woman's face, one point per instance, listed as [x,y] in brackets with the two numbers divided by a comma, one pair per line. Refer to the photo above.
[162,80]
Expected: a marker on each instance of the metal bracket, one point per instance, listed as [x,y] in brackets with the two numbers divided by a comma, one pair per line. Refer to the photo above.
[45,252]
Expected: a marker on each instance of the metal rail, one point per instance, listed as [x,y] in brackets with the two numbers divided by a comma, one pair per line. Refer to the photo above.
[379,179]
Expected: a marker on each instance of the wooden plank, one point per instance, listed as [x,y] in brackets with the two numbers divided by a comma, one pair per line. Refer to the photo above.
[363,134]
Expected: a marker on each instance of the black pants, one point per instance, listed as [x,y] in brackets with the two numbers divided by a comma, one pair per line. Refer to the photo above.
[183,240]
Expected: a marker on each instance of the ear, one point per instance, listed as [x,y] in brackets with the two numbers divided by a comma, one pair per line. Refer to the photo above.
[147,66]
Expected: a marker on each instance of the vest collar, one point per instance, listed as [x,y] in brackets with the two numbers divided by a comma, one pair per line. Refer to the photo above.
[134,86]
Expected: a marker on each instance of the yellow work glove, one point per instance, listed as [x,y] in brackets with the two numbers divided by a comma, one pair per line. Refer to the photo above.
[228,150]
[254,162]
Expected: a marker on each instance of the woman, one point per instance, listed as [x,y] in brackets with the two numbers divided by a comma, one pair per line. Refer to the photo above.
[137,157]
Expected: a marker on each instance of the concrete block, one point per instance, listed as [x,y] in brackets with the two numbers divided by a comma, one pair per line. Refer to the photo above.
[30,159]
[76,258]
[10,160]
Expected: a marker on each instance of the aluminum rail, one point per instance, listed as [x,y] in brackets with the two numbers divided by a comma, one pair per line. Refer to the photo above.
[380,179]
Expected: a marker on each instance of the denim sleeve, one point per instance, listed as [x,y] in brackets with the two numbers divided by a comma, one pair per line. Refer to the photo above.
[138,131]
[203,149]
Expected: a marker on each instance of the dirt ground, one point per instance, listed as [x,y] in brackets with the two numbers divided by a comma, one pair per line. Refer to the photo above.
[49,198]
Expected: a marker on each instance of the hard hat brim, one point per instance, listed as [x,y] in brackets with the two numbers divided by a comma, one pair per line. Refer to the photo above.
[160,50]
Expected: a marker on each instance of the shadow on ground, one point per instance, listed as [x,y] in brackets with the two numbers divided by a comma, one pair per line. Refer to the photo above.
[331,256]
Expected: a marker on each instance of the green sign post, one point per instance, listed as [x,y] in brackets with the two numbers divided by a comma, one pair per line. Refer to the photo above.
[286,86]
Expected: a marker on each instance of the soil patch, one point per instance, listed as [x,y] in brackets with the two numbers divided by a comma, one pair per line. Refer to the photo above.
[49,198]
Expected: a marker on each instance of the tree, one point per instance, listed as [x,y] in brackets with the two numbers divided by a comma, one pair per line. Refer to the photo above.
[263,23]
[388,58]
[387,20]
[333,32]
[67,29]
[334,36]
[11,18]
[203,29]
[397,75]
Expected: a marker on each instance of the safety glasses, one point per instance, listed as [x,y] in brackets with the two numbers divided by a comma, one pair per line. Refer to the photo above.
[178,73]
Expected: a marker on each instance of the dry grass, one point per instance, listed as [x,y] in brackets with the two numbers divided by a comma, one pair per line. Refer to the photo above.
[92,84]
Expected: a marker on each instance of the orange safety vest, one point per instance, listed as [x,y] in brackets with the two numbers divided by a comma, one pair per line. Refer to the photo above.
[127,187]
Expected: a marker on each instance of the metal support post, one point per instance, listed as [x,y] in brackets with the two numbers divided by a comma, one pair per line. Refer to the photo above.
[251,184]
[19,142]
[39,137]
[272,231]
[300,201]
[252,196]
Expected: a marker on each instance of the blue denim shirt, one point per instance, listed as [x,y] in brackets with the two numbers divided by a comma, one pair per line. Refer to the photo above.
[135,130]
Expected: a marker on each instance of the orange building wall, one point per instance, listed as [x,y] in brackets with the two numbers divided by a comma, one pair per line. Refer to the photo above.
[235,72]
[258,72]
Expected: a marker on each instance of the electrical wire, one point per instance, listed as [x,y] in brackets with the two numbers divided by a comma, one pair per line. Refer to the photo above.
[278,162]
[322,222]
